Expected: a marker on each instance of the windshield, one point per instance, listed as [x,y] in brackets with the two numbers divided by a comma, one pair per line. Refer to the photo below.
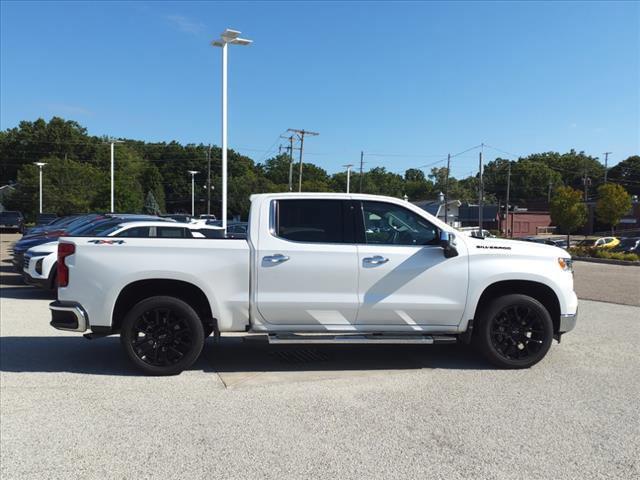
[628,242]
[11,216]
[587,243]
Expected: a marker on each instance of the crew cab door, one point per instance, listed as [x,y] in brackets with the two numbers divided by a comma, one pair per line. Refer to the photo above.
[307,265]
[405,280]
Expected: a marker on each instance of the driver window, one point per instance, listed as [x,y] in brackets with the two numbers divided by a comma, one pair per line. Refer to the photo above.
[388,224]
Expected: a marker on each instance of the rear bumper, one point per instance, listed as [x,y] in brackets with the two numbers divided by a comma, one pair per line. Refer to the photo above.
[568,322]
[69,316]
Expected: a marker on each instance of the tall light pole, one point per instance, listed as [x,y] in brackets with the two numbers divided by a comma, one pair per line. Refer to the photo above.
[227,37]
[193,202]
[113,142]
[348,167]
[40,165]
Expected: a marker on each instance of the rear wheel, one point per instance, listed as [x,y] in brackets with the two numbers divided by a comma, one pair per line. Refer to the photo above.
[515,331]
[162,335]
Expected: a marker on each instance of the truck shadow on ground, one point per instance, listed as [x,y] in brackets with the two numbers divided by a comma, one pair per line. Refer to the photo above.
[104,356]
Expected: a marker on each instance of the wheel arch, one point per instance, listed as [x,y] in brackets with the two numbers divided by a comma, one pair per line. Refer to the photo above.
[139,290]
[541,292]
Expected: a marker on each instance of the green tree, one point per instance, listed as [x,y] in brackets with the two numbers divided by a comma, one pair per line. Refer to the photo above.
[613,202]
[151,206]
[627,173]
[32,141]
[68,187]
[567,210]
[414,175]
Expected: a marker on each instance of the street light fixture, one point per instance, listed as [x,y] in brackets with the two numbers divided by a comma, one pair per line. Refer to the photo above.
[40,165]
[193,203]
[227,37]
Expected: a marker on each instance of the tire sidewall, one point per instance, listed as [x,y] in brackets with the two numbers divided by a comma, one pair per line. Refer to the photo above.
[180,307]
[486,345]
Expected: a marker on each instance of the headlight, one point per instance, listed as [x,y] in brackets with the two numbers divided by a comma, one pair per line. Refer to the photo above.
[566,264]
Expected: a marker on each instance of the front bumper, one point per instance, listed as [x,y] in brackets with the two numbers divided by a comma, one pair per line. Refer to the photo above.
[18,261]
[69,316]
[568,322]
[43,283]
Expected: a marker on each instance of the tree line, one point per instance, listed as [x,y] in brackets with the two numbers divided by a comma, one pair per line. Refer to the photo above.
[76,177]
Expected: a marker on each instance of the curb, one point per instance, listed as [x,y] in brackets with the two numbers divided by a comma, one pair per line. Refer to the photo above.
[607,261]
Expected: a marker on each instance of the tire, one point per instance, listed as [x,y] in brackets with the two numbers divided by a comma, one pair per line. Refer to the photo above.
[514,331]
[162,335]
[53,278]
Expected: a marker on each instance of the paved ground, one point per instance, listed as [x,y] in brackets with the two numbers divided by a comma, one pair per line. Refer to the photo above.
[608,283]
[73,408]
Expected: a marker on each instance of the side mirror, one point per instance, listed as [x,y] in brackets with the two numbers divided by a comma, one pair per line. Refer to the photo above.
[448,242]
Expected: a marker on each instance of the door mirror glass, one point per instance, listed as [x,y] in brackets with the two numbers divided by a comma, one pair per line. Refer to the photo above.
[448,242]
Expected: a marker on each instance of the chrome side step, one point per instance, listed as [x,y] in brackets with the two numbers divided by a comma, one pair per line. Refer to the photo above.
[349,339]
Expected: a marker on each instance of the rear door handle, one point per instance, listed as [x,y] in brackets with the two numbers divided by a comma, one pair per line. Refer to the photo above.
[277,258]
[375,260]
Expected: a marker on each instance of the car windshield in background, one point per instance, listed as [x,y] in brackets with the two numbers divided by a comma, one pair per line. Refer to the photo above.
[587,243]
[627,244]
[9,217]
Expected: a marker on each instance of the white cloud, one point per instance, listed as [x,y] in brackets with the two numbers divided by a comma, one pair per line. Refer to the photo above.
[185,24]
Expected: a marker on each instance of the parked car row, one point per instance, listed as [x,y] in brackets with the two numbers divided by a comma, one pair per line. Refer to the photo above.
[11,221]
[35,254]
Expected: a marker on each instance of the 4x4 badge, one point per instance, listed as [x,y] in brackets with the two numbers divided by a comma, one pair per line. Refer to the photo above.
[107,242]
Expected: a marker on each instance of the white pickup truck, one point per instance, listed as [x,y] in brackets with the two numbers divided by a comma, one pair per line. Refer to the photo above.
[318,268]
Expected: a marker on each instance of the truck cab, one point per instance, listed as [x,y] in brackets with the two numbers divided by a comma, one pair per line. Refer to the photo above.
[320,268]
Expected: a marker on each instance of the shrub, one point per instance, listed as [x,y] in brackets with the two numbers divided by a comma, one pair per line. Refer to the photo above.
[603,253]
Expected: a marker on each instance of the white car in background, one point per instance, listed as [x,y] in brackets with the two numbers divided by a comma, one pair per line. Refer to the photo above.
[40,262]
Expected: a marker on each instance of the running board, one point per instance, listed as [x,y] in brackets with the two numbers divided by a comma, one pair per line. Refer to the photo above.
[293,338]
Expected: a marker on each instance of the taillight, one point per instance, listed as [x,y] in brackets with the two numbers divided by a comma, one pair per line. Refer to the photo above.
[64,250]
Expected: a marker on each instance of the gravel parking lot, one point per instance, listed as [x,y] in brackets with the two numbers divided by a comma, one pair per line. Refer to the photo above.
[74,408]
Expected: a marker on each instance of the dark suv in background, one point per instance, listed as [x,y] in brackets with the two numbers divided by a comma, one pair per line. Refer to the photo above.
[11,221]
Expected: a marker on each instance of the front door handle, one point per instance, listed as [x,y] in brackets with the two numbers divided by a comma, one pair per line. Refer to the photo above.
[376,260]
[277,258]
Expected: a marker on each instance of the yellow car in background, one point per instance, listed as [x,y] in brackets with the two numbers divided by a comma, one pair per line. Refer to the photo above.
[602,242]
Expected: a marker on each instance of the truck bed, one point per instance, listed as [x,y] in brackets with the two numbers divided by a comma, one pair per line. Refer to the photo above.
[101,268]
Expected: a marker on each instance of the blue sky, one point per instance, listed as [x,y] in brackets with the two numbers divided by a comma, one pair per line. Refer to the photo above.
[410,81]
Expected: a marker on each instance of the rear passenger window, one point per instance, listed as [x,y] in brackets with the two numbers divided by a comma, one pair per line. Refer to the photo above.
[138,232]
[172,232]
[311,221]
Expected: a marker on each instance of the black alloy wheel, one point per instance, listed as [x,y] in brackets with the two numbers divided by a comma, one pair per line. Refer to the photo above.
[162,335]
[515,331]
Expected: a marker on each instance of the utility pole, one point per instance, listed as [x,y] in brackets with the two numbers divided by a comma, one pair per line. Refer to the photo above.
[606,165]
[209,180]
[301,134]
[361,168]
[508,230]
[480,194]
[348,167]
[290,149]
[446,191]
[549,192]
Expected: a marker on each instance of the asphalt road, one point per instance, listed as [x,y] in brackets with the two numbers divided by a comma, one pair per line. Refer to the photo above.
[73,408]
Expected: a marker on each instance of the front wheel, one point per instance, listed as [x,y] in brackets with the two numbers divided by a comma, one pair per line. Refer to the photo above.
[162,335]
[514,331]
